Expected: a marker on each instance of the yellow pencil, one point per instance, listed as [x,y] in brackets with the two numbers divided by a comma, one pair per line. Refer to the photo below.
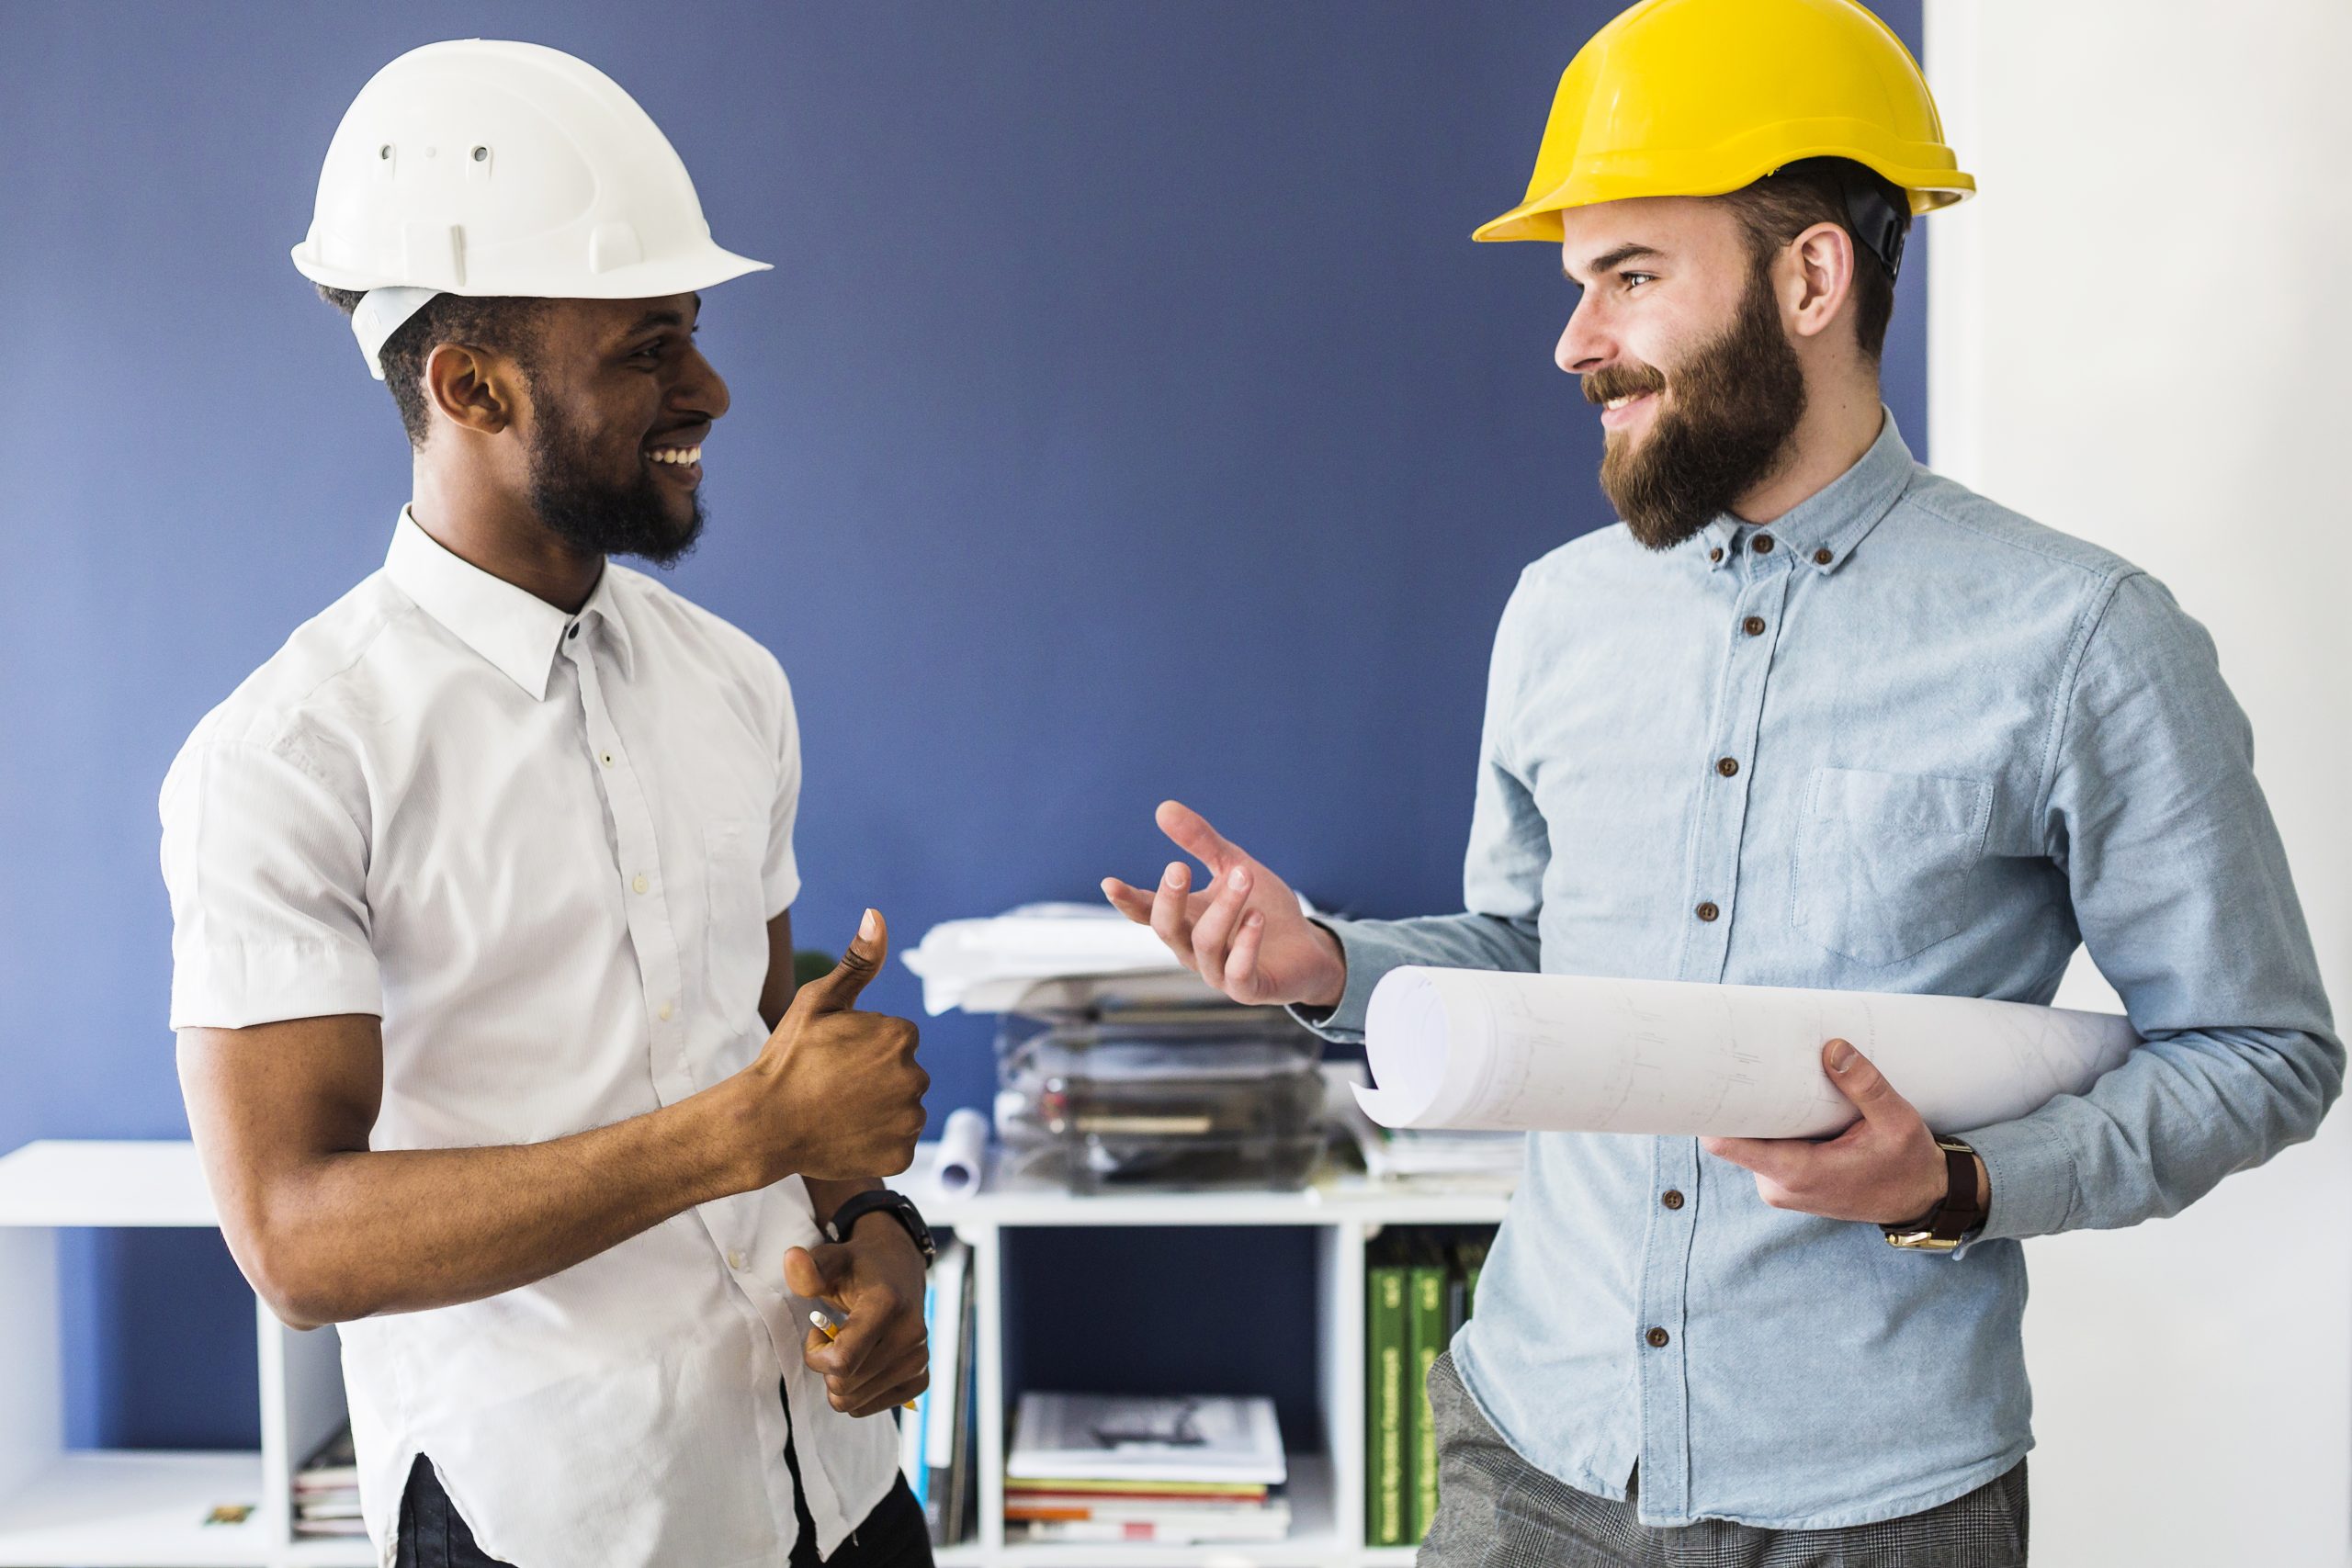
[826,1324]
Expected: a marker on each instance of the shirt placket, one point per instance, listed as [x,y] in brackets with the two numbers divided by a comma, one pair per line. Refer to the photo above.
[653,934]
[644,894]
[1709,901]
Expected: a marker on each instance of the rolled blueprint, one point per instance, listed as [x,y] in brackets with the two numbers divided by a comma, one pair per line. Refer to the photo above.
[1577,1053]
[962,1150]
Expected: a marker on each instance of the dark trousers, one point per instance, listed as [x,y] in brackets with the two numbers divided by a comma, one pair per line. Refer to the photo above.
[434,1535]
[1495,1510]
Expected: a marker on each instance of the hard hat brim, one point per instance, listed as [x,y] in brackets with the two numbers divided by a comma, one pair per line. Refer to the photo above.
[1540,219]
[704,268]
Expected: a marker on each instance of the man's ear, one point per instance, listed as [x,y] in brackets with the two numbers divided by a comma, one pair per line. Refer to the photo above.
[1824,279]
[473,387]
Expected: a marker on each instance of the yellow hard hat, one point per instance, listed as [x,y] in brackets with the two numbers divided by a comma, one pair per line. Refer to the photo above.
[1696,97]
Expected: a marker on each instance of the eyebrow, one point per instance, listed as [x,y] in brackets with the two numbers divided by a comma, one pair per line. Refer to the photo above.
[661,319]
[1608,259]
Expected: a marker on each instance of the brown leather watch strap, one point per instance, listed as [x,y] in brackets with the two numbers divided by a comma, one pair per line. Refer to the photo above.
[1957,1212]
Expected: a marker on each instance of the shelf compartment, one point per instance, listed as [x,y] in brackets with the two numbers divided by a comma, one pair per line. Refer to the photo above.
[121,1508]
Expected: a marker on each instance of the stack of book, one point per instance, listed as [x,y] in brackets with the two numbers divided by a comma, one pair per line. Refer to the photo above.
[1417,1288]
[935,1436]
[1102,1468]
[326,1491]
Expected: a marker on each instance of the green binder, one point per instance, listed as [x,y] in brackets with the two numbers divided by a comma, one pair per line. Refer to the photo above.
[1426,1327]
[1386,1489]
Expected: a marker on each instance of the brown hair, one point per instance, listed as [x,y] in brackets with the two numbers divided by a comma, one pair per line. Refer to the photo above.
[1784,204]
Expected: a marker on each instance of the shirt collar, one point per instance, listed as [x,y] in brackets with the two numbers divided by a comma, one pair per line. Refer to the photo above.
[516,631]
[1826,528]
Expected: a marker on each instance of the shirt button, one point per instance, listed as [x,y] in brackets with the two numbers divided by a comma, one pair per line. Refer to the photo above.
[666,1010]
[1716,554]
[1672,1198]
[1823,556]
[1753,626]
[1763,544]
[572,631]
[1658,1338]
[607,759]
[639,883]
[735,1260]
[1707,911]
[1726,766]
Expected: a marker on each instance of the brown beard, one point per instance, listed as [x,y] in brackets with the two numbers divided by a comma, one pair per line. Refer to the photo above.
[1723,430]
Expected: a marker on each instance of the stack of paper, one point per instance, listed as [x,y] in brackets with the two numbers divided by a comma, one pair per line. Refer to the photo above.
[1102,1467]
[1048,957]
[1422,1156]
[326,1491]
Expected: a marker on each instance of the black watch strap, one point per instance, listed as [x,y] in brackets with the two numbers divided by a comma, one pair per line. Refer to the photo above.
[898,1205]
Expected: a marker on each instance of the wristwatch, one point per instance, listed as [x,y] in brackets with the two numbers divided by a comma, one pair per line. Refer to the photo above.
[881,1200]
[1957,1213]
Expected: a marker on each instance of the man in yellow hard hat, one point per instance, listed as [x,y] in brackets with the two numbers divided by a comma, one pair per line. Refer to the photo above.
[481,891]
[1810,716]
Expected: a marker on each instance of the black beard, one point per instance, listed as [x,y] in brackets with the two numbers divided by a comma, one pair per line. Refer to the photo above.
[592,516]
[1736,403]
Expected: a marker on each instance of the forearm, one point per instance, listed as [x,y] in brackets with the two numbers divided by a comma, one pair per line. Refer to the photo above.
[349,1235]
[1453,942]
[2159,1132]
[824,1197]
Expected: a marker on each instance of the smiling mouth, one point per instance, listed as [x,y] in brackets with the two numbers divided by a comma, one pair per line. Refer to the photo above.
[677,456]
[1614,404]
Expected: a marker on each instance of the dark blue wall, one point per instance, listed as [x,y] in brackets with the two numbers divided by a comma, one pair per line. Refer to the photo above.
[1128,415]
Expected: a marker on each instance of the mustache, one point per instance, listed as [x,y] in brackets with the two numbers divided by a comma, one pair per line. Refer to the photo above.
[1623,381]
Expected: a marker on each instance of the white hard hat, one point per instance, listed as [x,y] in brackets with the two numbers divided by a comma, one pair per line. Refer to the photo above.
[484,167]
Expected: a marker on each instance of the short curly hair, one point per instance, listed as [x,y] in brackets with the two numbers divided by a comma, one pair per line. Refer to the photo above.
[497,322]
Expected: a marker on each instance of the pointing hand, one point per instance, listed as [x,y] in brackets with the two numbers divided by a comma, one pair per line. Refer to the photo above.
[1242,933]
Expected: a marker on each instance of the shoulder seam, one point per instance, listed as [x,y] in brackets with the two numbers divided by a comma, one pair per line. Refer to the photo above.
[2087,623]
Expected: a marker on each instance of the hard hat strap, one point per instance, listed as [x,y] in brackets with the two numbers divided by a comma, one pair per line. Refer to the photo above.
[1878,225]
[382,312]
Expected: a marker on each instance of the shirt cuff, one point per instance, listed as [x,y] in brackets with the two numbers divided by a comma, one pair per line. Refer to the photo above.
[2031,1177]
[237,985]
[1369,956]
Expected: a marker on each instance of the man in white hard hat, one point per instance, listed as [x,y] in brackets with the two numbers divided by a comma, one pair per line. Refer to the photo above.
[1809,715]
[482,889]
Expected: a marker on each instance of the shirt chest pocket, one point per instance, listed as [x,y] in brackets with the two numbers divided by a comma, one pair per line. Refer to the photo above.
[735,934]
[1881,860]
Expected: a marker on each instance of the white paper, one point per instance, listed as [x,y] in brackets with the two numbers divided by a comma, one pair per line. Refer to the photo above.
[986,966]
[963,1151]
[1104,1437]
[1568,1052]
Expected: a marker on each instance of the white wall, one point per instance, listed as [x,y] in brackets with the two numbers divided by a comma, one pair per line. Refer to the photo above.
[2140,333]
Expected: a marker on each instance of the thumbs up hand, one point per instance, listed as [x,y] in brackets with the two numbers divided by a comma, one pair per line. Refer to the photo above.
[835,1094]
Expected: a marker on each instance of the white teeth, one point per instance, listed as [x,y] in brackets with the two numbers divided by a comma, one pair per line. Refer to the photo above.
[1615,403]
[681,454]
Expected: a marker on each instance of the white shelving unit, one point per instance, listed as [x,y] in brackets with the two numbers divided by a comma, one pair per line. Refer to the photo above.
[148,1509]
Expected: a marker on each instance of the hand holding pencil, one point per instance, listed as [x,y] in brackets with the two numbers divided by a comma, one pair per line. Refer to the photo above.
[868,1343]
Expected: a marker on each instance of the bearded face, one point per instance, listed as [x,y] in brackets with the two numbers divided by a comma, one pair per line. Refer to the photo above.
[1722,427]
[599,498]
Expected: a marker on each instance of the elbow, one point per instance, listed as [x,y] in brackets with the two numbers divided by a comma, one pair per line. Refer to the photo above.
[291,1297]
[300,1289]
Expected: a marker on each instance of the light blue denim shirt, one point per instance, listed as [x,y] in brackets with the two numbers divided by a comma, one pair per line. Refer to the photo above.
[1898,739]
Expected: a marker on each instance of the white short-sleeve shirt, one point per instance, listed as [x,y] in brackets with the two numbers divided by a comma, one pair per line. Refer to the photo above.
[543,849]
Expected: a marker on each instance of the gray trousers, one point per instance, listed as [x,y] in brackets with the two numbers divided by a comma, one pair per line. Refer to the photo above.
[1495,1510]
